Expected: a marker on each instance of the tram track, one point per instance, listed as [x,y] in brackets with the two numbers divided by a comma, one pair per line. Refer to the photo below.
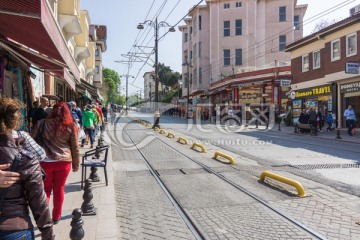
[198,233]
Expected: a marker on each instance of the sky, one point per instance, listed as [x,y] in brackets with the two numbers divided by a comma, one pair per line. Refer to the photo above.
[122,17]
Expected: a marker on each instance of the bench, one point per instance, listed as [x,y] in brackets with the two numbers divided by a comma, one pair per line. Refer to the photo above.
[305,126]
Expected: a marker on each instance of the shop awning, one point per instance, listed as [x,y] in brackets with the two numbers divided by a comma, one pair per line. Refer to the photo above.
[32,24]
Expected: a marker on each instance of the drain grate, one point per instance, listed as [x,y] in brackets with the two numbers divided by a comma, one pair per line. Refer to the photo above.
[326,166]
[138,173]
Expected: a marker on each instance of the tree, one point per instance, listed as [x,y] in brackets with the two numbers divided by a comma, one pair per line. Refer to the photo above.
[323,24]
[110,85]
[167,76]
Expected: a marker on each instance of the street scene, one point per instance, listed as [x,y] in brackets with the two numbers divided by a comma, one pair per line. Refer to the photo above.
[169,119]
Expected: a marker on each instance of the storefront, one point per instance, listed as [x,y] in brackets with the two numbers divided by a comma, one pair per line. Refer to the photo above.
[350,95]
[318,98]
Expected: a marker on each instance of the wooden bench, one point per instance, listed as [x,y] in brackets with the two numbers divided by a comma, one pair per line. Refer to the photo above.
[305,126]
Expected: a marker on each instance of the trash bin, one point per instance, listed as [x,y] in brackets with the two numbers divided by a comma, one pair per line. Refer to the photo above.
[156,119]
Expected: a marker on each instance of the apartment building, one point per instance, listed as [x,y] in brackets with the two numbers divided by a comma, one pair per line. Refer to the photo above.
[233,51]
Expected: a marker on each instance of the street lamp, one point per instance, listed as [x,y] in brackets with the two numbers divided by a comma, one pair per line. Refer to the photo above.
[156,27]
[188,65]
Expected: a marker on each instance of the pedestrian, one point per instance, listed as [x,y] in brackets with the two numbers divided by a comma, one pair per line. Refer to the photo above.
[112,116]
[312,119]
[321,118]
[329,120]
[89,119]
[350,116]
[78,112]
[40,112]
[31,114]
[59,137]
[105,112]
[97,122]
[18,196]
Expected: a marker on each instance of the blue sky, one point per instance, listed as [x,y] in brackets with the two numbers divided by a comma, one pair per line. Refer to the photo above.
[122,17]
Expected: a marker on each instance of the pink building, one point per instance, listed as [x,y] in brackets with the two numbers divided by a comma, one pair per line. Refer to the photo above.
[233,51]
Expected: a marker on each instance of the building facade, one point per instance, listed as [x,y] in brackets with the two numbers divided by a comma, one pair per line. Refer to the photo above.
[233,51]
[325,69]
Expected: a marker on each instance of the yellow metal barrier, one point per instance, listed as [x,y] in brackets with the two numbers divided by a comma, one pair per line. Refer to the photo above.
[156,129]
[296,184]
[171,134]
[162,131]
[203,149]
[228,157]
[184,140]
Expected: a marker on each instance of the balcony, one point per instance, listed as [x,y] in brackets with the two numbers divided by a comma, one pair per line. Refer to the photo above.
[82,40]
[68,18]
[90,61]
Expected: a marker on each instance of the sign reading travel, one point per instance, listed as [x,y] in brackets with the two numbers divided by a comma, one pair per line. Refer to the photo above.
[350,87]
[352,67]
[313,91]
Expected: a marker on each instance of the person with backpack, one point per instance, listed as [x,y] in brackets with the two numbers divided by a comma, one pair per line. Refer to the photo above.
[58,135]
[329,120]
[22,153]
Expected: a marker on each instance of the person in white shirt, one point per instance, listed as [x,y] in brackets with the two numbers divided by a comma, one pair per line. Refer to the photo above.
[349,114]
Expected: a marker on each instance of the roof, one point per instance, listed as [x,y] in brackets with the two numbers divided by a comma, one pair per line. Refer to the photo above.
[323,32]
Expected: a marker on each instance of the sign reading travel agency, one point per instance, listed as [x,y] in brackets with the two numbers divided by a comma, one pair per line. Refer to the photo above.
[313,91]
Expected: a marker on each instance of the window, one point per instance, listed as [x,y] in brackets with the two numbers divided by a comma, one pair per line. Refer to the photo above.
[296,22]
[351,46]
[335,50]
[316,59]
[282,14]
[199,22]
[238,4]
[199,49]
[305,63]
[191,55]
[200,76]
[226,5]
[226,57]
[186,59]
[186,35]
[238,56]
[226,28]
[238,27]
[97,69]
[282,43]
[97,52]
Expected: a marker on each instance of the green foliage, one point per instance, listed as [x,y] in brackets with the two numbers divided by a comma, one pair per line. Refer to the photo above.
[169,96]
[112,81]
[167,76]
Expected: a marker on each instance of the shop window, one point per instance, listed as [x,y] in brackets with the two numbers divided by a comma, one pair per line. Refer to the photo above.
[282,14]
[351,46]
[226,5]
[226,28]
[282,43]
[305,63]
[316,59]
[335,50]
[226,57]
[238,27]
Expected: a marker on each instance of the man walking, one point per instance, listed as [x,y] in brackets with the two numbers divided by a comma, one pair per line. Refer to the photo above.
[312,119]
[349,114]
[40,112]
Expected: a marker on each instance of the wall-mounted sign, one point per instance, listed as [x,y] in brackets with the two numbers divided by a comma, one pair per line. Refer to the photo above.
[313,91]
[350,87]
[249,96]
[285,83]
[352,67]
[250,84]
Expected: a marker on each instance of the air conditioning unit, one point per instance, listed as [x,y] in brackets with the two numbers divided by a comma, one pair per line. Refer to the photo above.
[354,10]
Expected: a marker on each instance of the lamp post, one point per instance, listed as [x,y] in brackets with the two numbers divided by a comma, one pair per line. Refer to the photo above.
[188,65]
[127,90]
[156,27]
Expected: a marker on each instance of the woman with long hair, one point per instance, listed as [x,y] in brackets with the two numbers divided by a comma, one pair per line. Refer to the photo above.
[22,153]
[58,135]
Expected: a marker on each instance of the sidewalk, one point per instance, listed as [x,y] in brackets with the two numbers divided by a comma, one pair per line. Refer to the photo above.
[101,226]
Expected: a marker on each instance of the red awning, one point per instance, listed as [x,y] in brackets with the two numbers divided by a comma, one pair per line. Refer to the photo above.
[31,23]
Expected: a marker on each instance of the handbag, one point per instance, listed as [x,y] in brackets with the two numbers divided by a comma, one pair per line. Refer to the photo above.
[81,134]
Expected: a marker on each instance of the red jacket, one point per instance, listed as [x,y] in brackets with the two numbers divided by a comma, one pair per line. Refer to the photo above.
[100,112]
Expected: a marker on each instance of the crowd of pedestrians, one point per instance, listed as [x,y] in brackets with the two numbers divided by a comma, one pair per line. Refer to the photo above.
[43,160]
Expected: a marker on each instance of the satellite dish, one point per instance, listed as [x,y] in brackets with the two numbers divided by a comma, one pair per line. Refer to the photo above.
[292,95]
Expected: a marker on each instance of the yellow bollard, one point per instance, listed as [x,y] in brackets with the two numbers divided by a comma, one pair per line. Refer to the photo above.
[156,129]
[296,184]
[184,140]
[162,131]
[171,134]
[203,149]
[228,157]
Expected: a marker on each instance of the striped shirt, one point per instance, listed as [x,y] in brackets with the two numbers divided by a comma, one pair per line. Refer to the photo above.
[30,144]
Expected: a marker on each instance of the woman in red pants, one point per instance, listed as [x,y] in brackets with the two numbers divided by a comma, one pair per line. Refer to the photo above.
[57,134]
